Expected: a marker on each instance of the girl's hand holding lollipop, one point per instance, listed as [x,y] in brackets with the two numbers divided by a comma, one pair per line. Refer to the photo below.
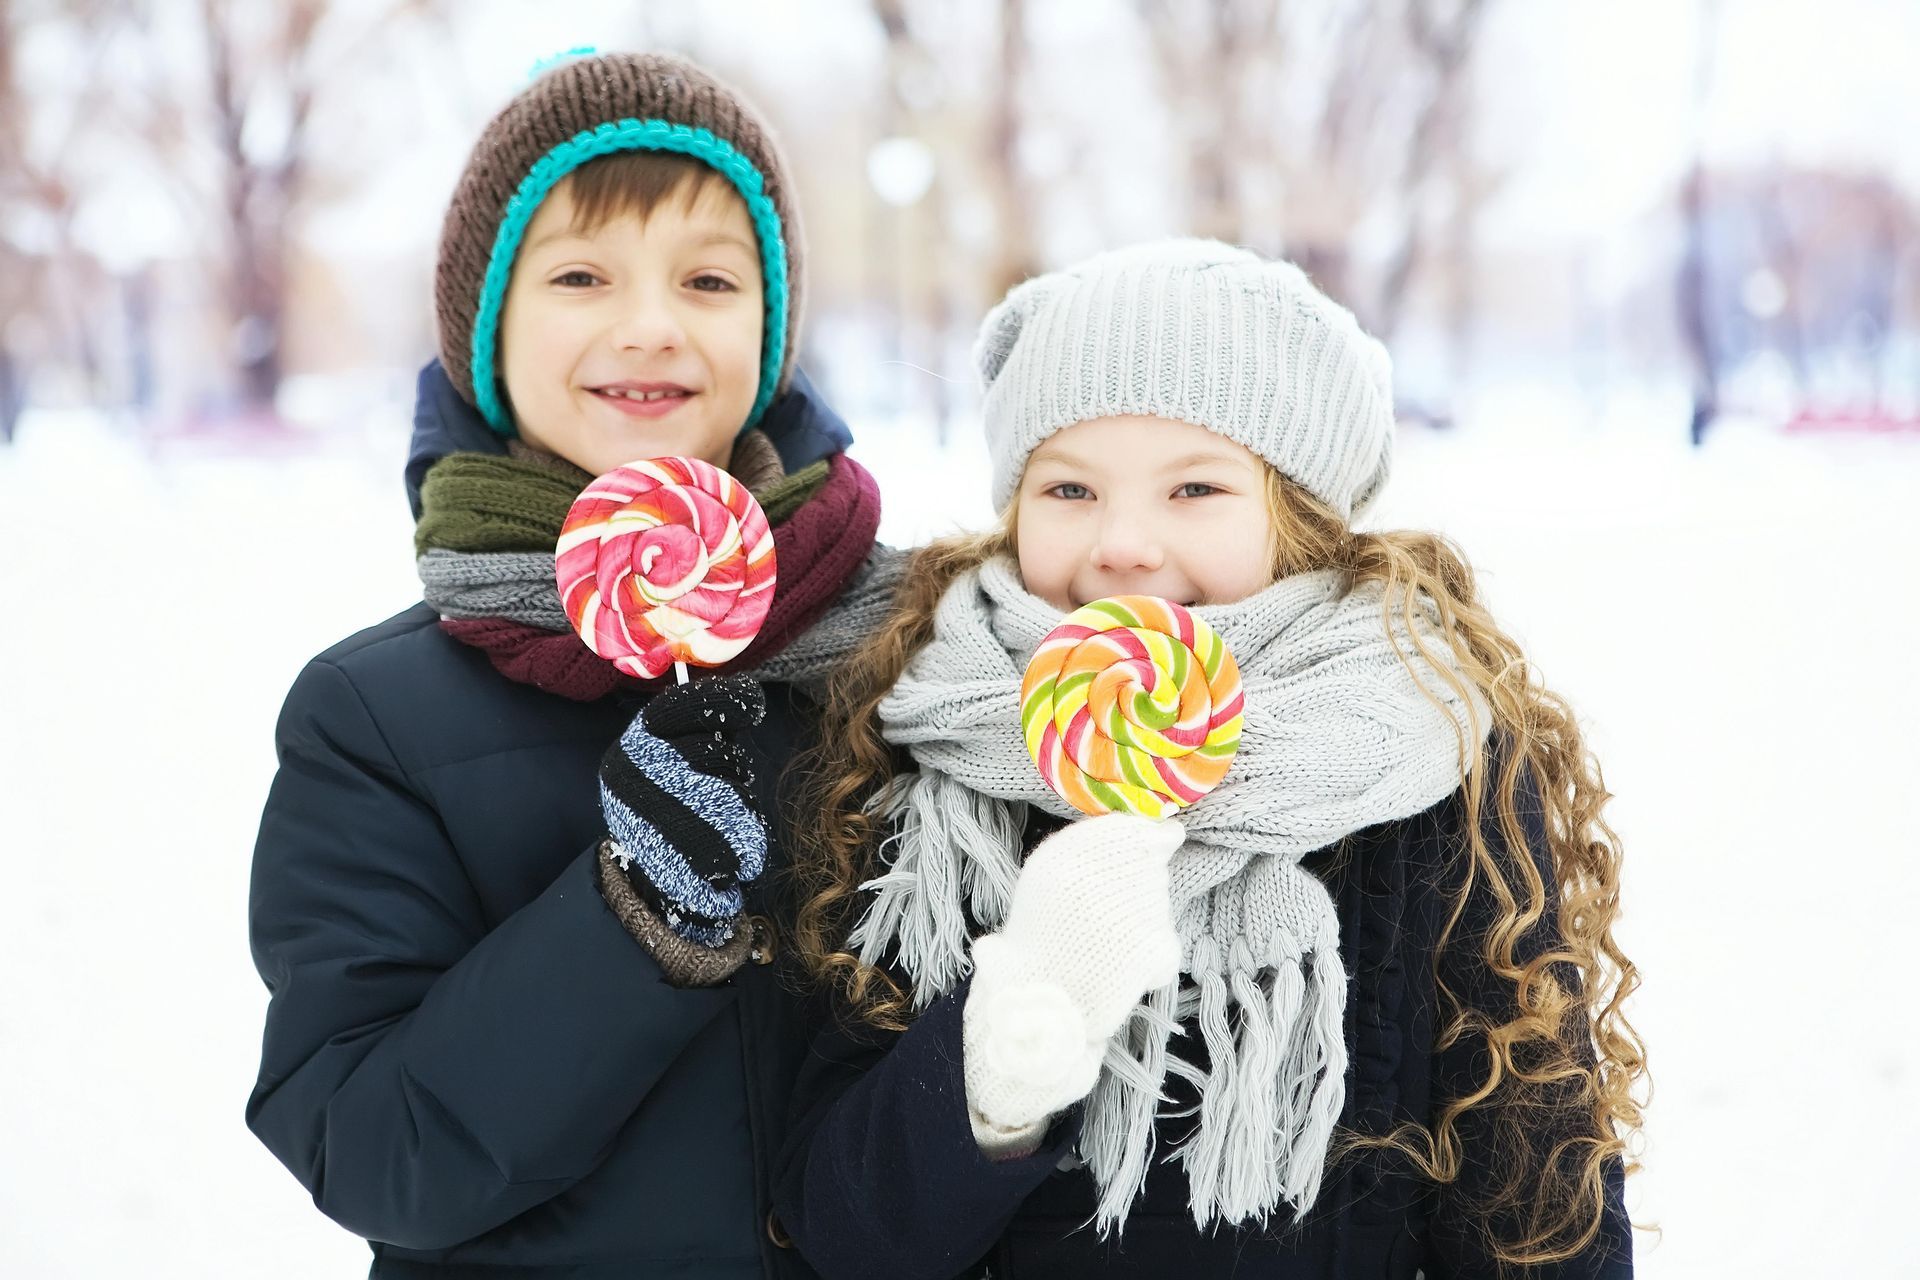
[1132,709]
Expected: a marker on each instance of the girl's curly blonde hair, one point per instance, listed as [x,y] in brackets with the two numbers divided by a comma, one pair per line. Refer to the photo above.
[1563,1046]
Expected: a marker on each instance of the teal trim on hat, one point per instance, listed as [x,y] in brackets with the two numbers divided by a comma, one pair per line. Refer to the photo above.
[632,135]
[553,60]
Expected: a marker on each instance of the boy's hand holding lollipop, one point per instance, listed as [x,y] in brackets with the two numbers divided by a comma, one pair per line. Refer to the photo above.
[661,564]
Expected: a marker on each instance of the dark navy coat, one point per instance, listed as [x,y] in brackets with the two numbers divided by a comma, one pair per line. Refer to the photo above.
[881,1178]
[467,1059]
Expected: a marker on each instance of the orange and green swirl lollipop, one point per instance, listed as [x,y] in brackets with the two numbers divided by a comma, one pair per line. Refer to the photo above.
[1132,704]
[665,562]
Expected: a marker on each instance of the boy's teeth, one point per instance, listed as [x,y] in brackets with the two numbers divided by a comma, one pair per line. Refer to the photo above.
[642,395]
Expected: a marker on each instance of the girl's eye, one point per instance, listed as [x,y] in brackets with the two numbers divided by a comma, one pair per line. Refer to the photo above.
[1070,491]
[575,279]
[712,284]
[1194,489]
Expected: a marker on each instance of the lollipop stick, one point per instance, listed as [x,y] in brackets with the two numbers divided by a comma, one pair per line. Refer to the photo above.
[680,671]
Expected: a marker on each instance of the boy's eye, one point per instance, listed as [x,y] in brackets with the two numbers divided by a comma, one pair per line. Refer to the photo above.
[1194,489]
[712,284]
[576,279]
[1070,491]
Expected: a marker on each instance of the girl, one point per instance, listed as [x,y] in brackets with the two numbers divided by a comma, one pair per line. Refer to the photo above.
[1355,1013]
[504,897]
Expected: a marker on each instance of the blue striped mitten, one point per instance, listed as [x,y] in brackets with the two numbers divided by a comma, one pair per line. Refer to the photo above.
[678,797]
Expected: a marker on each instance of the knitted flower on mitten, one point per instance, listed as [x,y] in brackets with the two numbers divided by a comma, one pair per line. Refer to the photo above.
[1089,931]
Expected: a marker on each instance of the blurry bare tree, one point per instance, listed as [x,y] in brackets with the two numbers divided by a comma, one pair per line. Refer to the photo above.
[1690,282]
[1009,187]
[217,100]
[1212,56]
[46,278]
[1338,133]
[975,137]
[1811,268]
[265,67]
[1438,153]
[17,268]
[1816,270]
[900,264]
[254,76]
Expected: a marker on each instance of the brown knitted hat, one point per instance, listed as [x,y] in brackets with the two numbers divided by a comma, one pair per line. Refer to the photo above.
[577,112]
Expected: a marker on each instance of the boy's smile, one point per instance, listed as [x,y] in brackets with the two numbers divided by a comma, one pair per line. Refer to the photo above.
[644,399]
[635,339]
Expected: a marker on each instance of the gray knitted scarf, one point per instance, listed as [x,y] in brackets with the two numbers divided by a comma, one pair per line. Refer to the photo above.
[1340,735]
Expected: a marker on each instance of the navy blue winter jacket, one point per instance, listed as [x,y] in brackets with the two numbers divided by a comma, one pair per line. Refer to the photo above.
[467,1059]
[880,1178]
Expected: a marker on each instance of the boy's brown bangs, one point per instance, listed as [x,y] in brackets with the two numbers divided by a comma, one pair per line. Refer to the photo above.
[635,183]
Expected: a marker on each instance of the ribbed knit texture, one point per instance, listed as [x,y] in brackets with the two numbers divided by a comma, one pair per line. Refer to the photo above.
[686,964]
[674,791]
[474,503]
[487,531]
[1340,734]
[1089,932]
[1200,332]
[579,97]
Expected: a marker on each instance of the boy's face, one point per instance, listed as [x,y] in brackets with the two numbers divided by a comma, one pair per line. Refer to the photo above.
[639,339]
[1143,506]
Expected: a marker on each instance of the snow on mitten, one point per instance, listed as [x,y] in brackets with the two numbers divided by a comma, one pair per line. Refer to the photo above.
[677,794]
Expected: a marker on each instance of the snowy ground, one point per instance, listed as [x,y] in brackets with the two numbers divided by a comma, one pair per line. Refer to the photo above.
[1736,625]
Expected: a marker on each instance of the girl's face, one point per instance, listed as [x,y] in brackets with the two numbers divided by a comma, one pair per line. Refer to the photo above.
[636,339]
[1143,506]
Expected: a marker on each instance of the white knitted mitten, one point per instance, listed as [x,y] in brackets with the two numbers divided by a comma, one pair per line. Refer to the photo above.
[1089,931]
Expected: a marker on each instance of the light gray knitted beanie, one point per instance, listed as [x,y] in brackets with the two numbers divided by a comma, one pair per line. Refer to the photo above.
[1201,332]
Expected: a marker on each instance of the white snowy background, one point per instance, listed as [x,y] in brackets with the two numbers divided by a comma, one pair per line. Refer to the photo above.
[1736,625]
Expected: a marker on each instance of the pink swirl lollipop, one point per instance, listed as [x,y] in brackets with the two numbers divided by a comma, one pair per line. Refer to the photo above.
[665,562]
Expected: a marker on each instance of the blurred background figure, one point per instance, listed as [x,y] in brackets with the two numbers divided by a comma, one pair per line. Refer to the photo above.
[1649,271]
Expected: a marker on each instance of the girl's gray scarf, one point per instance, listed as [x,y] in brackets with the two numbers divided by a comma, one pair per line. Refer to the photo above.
[1340,734]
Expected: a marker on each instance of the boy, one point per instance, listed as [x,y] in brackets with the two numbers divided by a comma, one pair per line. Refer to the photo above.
[512,1020]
